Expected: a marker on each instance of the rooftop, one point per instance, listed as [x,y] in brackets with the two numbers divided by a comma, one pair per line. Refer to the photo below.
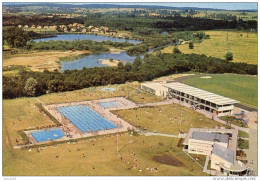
[215,137]
[201,94]
[225,153]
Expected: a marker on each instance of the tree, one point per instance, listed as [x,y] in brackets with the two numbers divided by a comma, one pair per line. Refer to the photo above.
[229,56]
[111,60]
[191,46]
[176,50]
[30,86]
[120,65]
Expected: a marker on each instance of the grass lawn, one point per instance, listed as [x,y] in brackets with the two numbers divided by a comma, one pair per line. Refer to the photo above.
[243,134]
[93,93]
[239,87]
[232,120]
[170,119]
[243,144]
[22,113]
[244,48]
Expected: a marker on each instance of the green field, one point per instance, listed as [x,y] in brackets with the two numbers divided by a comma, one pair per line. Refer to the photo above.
[239,87]
[242,44]
[100,153]
[169,119]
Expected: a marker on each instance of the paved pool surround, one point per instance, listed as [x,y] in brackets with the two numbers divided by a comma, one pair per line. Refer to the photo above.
[73,132]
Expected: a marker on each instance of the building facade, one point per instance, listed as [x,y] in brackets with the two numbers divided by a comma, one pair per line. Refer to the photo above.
[200,99]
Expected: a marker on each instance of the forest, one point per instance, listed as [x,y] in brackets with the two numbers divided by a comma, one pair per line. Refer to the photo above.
[150,67]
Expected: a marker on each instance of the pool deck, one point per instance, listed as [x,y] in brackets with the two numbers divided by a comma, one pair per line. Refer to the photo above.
[72,132]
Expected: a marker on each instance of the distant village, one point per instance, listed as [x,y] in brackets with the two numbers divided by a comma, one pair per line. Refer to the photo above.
[75,27]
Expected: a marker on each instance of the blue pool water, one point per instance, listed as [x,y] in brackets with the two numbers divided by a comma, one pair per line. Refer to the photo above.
[47,135]
[84,118]
[109,104]
[99,38]
[111,89]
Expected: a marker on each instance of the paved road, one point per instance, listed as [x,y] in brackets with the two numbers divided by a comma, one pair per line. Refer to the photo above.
[252,152]
[242,106]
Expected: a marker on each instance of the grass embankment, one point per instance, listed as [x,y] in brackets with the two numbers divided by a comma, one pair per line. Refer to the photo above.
[38,61]
[243,45]
[21,113]
[243,134]
[170,119]
[239,87]
[233,120]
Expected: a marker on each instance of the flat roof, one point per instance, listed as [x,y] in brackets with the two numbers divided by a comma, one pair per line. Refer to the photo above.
[225,153]
[154,85]
[206,136]
[201,94]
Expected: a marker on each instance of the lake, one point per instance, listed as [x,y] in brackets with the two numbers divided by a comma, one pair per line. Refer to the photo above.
[93,60]
[99,38]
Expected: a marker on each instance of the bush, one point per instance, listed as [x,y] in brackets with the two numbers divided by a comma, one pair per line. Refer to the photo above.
[229,56]
[191,46]
[176,50]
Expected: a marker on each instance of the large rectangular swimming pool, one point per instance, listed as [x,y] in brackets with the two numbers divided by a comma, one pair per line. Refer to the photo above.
[48,135]
[85,119]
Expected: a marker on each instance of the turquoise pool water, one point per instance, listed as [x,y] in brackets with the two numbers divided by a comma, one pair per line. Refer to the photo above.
[47,135]
[109,104]
[108,89]
[85,119]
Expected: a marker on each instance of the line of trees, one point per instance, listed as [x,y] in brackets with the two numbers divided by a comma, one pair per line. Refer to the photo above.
[30,83]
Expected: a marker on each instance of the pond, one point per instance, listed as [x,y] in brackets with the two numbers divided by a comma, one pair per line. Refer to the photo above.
[94,60]
[99,38]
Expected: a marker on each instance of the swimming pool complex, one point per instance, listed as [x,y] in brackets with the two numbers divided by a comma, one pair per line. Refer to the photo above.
[85,119]
[109,104]
[47,135]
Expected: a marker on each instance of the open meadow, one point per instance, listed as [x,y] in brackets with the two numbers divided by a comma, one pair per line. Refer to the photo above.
[239,87]
[242,44]
[38,61]
[140,155]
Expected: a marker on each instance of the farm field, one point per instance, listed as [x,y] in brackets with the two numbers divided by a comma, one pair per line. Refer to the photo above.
[244,48]
[239,87]
[169,119]
[94,156]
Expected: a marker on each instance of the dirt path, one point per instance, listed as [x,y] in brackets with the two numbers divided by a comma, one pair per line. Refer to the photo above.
[38,61]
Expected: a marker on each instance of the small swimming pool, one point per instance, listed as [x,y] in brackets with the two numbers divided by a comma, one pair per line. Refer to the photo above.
[85,118]
[109,104]
[111,89]
[48,135]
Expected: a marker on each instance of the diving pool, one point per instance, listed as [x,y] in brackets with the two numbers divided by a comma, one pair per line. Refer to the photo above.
[47,135]
[109,104]
[85,118]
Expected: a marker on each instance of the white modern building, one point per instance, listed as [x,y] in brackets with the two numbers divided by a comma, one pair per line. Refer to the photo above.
[201,99]
[219,145]
[155,88]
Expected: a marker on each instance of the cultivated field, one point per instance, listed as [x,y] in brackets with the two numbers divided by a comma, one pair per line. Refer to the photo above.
[239,87]
[169,119]
[140,154]
[243,45]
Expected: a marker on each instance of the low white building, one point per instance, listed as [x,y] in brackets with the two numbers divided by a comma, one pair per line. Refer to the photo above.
[202,142]
[201,99]
[219,145]
[155,88]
